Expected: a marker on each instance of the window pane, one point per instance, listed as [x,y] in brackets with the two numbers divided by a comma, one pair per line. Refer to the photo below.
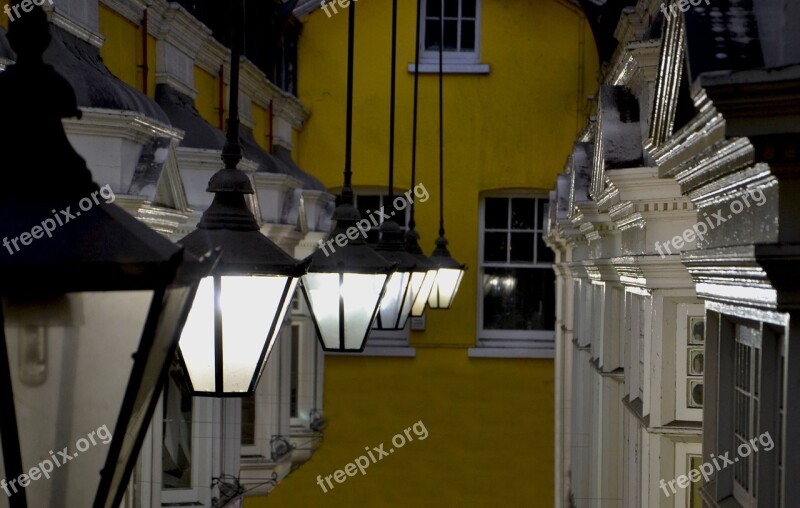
[451,8]
[433,8]
[177,450]
[367,204]
[295,374]
[518,299]
[432,35]
[522,247]
[467,8]
[496,213]
[450,35]
[249,420]
[467,36]
[543,252]
[494,247]
[522,213]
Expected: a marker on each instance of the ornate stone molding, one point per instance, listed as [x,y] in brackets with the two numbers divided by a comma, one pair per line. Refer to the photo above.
[132,10]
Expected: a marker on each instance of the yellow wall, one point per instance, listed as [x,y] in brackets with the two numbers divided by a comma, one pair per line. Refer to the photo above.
[510,129]
[490,422]
[489,444]
[207,102]
[122,50]
[261,129]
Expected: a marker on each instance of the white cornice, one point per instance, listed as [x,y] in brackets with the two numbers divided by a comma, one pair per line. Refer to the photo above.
[81,32]
[652,272]
[638,56]
[292,110]
[725,157]
[255,84]
[117,123]
[700,134]
[177,84]
[132,10]
[640,184]
[263,92]
[212,55]
[183,30]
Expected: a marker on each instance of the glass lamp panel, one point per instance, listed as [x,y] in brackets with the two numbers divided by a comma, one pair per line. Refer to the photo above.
[394,301]
[197,340]
[418,308]
[71,359]
[251,306]
[448,281]
[322,294]
[414,286]
[172,316]
[361,294]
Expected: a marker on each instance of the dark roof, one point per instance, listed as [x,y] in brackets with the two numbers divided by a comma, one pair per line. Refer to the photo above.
[309,182]
[183,114]
[95,86]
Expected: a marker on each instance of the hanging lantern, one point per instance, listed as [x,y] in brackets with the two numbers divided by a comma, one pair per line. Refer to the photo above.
[344,288]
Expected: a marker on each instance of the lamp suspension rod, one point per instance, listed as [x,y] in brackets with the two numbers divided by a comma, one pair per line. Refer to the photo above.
[441,120]
[348,151]
[232,152]
[392,96]
[412,223]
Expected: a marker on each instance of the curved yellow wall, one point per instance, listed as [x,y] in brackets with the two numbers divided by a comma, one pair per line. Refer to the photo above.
[490,422]
[489,444]
[512,128]
[207,102]
[122,50]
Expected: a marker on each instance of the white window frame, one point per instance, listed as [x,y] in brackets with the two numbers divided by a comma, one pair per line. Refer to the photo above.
[638,305]
[271,402]
[311,366]
[684,451]
[509,343]
[432,56]
[682,409]
[747,497]
[453,62]
[203,414]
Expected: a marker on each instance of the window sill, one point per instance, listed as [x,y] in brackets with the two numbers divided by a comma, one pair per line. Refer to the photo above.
[451,68]
[396,351]
[510,352]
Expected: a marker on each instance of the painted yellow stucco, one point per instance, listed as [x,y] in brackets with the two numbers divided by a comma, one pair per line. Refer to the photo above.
[489,425]
[122,50]
[490,422]
[261,129]
[207,101]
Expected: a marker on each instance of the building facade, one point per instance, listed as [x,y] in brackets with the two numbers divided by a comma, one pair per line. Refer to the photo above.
[673,228]
[151,79]
[478,376]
